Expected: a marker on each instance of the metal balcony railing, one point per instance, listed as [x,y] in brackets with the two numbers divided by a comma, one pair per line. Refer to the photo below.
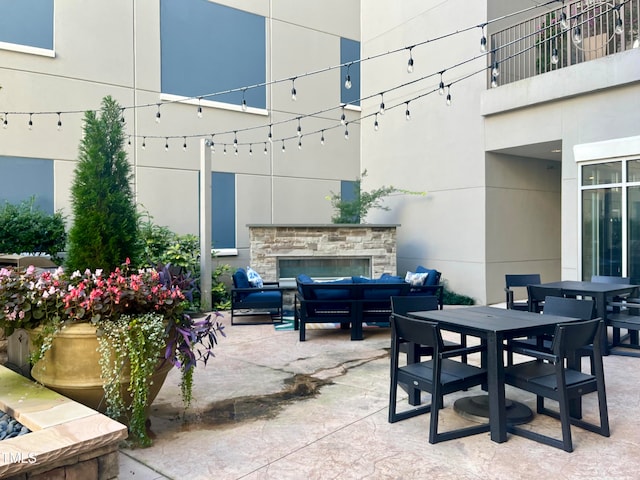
[575,32]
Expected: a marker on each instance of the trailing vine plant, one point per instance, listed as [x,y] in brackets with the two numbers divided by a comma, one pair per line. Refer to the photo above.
[140,340]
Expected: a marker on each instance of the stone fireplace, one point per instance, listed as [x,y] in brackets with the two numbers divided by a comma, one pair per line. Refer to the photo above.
[281,252]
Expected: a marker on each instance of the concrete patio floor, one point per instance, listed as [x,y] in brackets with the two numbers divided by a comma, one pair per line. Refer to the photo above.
[271,407]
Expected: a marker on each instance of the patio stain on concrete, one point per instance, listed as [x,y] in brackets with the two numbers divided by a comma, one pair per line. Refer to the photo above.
[228,412]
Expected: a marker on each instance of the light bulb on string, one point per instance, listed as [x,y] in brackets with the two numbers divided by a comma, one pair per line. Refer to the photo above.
[407,113]
[495,71]
[270,135]
[199,107]
[235,150]
[636,42]
[5,122]
[294,93]
[381,111]
[564,21]
[30,121]
[322,137]
[158,114]
[554,56]
[235,139]
[299,129]
[483,41]
[494,81]
[441,86]
[410,61]
[347,79]
[250,150]
[283,149]
[343,117]
[224,148]
[375,123]
[577,35]
[129,141]
[144,143]
[346,131]
[60,124]
[184,145]
[618,28]
[212,145]
[122,120]
[265,148]
[166,144]
[448,95]
[244,101]
[300,144]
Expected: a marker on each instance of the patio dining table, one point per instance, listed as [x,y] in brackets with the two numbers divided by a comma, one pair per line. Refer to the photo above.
[599,292]
[493,326]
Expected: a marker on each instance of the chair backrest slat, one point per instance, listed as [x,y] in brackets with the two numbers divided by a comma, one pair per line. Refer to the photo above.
[421,332]
[574,335]
[569,307]
[405,304]
[522,280]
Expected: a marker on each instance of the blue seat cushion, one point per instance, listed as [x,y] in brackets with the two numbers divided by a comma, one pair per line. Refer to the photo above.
[334,294]
[240,279]
[263,299]
[388,278]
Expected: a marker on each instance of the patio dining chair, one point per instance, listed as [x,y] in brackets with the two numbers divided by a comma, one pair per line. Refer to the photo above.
[438,376]
[549,375]
[515,282]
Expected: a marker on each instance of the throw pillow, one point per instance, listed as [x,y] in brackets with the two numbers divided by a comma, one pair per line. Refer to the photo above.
[416,279]
[254,278]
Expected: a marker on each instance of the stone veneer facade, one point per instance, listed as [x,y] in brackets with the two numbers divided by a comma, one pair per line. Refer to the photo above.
[268,243]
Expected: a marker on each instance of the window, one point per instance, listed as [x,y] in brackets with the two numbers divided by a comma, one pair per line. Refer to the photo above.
[26,23]
[611,219]
[349,52]
[349,193]
[223,210]
[209,48]
[27,177]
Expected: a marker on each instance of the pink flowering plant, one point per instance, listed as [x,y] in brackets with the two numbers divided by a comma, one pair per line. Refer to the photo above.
[116,303]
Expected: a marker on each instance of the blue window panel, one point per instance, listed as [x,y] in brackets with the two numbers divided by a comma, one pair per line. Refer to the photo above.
[27,22]
[209,48]
[23,178]
[349,192]
[349,52]
[223,210]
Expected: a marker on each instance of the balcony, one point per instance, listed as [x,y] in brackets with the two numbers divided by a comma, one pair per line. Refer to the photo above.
[575,32]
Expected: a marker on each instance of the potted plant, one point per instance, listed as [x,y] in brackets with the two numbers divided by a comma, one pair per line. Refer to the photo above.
[130,322]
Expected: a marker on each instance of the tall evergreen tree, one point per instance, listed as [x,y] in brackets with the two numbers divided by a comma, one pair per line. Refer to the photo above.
[105,222]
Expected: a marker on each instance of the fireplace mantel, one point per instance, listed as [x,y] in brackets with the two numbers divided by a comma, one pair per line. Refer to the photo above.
[269,243]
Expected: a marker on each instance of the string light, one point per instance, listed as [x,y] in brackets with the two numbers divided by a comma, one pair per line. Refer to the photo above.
[199,107]
[244,102]
[381,110]
[564,21]
[483,40]
[158,114]
[30,121]
[299,130]
[212,145]
[122,120]
[224,148]
[293,89]
[166,144]
[410,61]
[250,150]
[265,148]
[347,80]
[448,95]
[184,145]
[235,139]
[375,123]
[235,150]
[144,143]
[441,86]
[343,117]
[5,122]
[60,124]
[300,143]
[495,71]
[346,131]
[270,135]
[283,149]
[129,141]
[618,28]
[407,113]
[554,56]
[322,138]
[494,81]
[577,35]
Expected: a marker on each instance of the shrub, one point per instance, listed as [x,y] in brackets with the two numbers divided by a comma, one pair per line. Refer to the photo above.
[25,228]
[105,223]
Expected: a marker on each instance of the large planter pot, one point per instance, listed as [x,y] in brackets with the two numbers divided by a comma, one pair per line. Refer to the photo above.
[71,367]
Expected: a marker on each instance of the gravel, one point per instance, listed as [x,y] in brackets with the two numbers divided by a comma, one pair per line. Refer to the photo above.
[10,427]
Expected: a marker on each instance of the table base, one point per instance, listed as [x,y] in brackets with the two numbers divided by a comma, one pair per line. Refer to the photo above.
[476,408]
